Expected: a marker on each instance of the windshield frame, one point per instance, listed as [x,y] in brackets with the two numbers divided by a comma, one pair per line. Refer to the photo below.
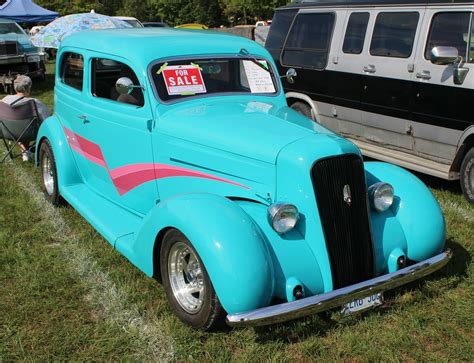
[274,75]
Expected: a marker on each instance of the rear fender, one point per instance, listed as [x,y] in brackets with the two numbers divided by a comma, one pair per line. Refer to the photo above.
[228,242]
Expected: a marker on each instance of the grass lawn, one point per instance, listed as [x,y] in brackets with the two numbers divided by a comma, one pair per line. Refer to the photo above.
[65,294]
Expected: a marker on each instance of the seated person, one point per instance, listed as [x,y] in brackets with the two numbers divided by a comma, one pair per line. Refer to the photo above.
[22,86]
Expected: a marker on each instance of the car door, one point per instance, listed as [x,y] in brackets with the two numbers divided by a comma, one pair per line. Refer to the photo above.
[116,129]
[387,75]
[70,101]
[346,83]
[441,108]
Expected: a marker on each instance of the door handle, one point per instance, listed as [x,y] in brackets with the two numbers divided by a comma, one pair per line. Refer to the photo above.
[369,69]
[83,118]
[424,75]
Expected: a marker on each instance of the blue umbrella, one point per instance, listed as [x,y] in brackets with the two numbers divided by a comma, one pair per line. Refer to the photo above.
[53,33]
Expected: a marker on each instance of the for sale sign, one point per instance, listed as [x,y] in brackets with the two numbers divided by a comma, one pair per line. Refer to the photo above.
[183,80]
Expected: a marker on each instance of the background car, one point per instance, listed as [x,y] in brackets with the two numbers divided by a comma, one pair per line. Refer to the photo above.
[17,54]
[155,24]
[134,22]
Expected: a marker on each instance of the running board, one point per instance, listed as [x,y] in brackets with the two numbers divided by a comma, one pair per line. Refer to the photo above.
[406,160]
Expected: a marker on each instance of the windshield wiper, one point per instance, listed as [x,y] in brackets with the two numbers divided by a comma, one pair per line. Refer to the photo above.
[245,53]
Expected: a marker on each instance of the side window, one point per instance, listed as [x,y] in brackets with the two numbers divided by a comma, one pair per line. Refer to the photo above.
[449,30]
[309,41]
[105,73]
[278,31]
[394,34]
[72,70]
[355,33]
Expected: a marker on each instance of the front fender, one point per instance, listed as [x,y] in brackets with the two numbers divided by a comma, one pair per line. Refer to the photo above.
[52,130]
[231,247]
[415,208]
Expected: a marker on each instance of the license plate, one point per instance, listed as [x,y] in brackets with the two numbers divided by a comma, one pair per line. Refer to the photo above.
[33,58]
[365,303]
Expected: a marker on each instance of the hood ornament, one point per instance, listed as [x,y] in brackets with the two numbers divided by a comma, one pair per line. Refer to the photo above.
[346,192]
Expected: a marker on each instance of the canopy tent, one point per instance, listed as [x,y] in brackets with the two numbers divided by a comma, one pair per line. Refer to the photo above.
[26,11]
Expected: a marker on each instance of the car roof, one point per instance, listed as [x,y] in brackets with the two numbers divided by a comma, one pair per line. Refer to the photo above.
[145,45]
[348,3]
[7,21]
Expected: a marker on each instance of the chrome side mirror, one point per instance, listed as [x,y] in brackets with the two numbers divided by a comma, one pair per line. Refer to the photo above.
[124,86]
[291,75]
[444,55]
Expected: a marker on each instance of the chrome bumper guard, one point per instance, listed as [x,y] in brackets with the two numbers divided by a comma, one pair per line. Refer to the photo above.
[318,303]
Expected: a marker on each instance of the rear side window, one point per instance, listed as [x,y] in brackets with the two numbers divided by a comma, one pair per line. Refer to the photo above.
[105,73]
[309,41]
[355,33]
[279,29]
[449,30]
[72,70]
[394,34]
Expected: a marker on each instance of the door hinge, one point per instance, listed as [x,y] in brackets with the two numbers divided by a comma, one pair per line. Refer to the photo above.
[149,125]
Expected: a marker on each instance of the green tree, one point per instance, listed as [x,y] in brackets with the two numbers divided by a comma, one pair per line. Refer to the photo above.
[249,11]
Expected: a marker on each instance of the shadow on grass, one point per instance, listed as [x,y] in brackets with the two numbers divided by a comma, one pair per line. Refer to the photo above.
[321,324]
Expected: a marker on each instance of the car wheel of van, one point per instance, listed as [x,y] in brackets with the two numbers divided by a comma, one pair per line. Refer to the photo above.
[304,109]
[187,284]
[467,176]
[49,175]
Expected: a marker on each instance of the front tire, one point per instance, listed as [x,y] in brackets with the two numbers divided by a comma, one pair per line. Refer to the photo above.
[49,175]
[187,285]
[467,176]
[304,109]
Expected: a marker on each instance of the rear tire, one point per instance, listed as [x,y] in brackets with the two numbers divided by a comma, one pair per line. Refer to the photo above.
[187,285]
[304,109]
[467,176]
[49,175]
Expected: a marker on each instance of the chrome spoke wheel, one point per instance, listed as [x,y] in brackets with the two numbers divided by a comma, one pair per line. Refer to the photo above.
[48,174]
[471,179]
[186,277]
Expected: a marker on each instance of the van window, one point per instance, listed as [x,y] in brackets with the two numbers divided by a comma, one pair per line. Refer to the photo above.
[309,41]
[105,73]
[394,34]
[355,33]
[450,29]
[72,70]
[279,29]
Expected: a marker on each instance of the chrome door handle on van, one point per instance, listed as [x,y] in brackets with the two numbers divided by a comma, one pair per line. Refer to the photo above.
[424,75]
[369,69]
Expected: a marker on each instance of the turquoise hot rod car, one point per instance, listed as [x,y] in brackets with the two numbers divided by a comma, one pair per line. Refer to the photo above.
[179,147]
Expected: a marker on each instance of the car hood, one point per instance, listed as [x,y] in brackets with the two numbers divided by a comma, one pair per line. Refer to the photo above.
[23,41]
[258,130]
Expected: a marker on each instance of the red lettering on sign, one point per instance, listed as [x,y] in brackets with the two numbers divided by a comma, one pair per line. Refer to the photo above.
[182,80]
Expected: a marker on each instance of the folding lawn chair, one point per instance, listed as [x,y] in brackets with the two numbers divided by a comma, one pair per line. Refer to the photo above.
[18,123]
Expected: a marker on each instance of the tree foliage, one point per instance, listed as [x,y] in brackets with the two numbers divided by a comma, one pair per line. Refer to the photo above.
[209,12]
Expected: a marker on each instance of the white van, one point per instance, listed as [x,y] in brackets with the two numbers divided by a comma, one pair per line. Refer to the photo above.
[396,77]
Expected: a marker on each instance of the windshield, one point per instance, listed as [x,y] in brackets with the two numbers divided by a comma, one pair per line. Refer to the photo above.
[8,28]
[193,77]
[134,23]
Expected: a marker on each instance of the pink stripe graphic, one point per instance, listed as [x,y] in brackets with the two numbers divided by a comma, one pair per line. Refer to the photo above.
[128,177]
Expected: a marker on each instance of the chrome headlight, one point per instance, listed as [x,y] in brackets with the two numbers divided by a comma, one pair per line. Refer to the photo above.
[283,217]
[381,196]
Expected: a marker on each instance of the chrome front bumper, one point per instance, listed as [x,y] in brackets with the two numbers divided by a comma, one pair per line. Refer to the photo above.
[318,303]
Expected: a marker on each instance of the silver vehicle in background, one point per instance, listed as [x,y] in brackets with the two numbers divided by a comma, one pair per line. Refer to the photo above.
[396,77]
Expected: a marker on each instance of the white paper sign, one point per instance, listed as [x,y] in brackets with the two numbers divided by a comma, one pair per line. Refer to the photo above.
[260,80]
